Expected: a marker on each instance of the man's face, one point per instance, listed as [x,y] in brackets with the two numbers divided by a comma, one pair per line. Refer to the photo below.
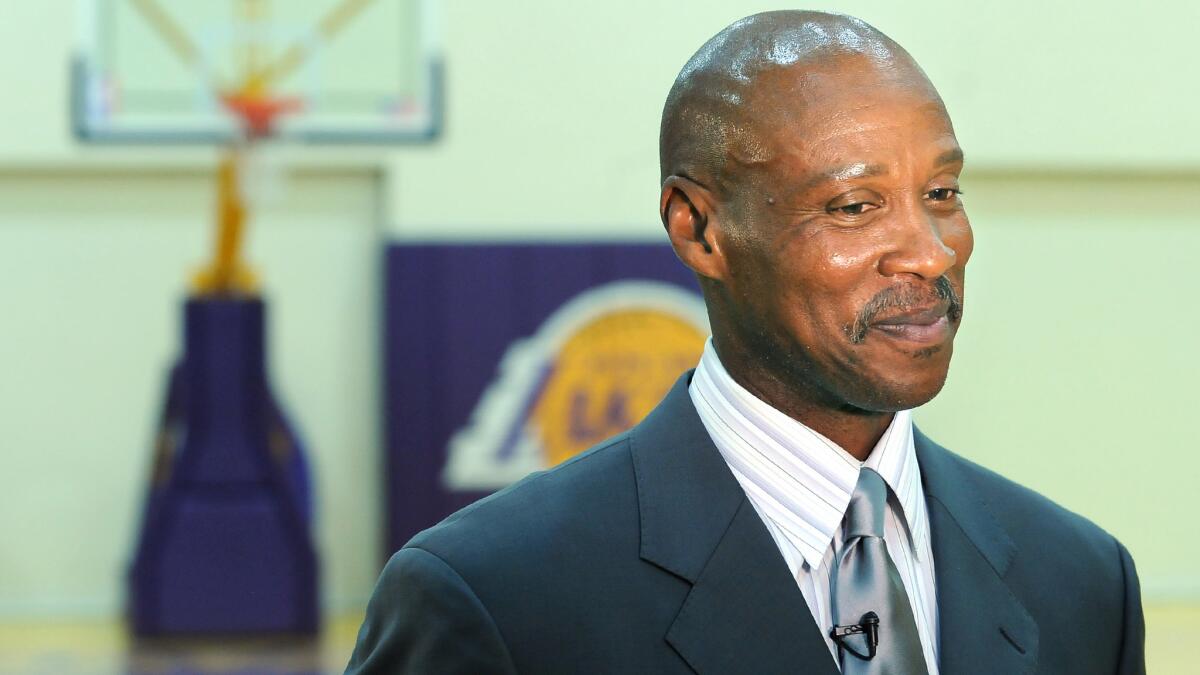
[846,247]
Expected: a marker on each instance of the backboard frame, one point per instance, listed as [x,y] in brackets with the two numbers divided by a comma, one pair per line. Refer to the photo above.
[94,123]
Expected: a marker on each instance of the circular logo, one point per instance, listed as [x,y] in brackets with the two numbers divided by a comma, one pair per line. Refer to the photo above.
[594,368]
[609,375]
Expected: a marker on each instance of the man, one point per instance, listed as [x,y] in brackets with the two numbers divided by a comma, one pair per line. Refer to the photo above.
[778,513]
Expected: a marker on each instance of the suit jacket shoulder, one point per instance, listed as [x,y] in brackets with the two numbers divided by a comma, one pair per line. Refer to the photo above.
[1075,581]
[1029,516]
[557,517]
[552,562]
[641,555]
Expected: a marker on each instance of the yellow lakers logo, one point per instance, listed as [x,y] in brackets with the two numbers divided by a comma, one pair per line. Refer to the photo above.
[595,368]
[609,375]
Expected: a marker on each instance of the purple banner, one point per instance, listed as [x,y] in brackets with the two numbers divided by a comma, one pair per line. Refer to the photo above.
[501,359]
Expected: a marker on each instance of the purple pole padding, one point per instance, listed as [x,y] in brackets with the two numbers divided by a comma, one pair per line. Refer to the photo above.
[225,545]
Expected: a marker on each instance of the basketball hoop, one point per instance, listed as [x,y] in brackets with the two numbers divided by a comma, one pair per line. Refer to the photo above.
[258,114]
[267,71]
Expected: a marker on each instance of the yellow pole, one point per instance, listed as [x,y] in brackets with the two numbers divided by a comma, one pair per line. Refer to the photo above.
[227,273]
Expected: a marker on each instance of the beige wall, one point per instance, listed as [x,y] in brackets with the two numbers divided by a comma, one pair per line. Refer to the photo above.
[1074,372]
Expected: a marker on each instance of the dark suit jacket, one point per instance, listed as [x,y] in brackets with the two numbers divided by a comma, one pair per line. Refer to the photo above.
[643,555]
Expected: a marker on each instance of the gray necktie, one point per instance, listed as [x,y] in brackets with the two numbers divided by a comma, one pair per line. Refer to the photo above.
[865,580]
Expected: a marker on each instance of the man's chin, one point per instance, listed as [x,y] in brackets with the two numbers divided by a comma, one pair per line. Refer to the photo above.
[891,394]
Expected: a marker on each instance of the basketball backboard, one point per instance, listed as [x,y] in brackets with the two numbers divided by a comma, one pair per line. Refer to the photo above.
[344,71]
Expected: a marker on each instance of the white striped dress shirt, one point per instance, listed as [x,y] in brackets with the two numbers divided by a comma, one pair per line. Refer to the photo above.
[800,484]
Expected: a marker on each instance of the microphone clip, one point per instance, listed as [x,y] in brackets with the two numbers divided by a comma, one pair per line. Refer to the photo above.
[868,625]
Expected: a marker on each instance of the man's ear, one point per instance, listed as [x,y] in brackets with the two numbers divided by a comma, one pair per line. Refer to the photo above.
[688,212]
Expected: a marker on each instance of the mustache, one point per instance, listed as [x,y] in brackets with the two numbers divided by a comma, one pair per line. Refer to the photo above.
[909,295]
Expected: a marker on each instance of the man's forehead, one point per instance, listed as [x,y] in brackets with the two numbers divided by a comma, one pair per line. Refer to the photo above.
[843,110]
[833,86]
[840,72]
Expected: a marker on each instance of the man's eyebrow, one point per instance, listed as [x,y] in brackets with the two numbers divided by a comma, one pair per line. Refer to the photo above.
[847,172]
[864,170]
[951,156]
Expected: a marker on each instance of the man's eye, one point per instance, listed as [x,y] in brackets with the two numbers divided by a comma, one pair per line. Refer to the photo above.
[943,194]
[854,209]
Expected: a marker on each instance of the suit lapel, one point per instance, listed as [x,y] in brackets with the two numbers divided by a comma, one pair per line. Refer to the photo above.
[984,628]
[744,612]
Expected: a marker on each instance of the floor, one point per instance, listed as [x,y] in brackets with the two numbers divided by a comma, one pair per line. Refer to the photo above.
[104,648]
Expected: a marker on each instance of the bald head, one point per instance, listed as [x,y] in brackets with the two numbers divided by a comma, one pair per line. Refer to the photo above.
[728,91]
[811,182]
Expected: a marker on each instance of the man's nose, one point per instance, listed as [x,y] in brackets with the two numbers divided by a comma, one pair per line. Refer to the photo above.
[919,245]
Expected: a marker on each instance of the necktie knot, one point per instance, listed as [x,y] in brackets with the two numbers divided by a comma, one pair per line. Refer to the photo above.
[864,517]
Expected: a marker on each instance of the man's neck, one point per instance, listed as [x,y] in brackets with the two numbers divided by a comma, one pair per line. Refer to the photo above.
[855,431]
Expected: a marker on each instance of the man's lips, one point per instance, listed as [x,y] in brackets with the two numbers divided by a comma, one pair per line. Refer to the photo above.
[926,325]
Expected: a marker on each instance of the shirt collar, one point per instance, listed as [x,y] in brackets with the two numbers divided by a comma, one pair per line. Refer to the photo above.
[797,477]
